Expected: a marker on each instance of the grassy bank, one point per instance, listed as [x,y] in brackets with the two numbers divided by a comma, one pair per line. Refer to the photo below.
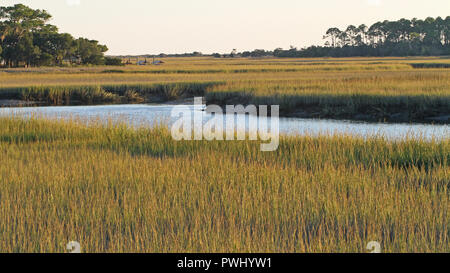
[371,89]
[114,189]
[105,94]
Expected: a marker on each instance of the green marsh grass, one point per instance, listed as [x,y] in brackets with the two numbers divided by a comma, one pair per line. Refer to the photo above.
[98,94]
[116,189]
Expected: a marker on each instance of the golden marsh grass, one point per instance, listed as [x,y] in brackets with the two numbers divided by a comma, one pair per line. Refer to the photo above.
[375,89]
[116,189]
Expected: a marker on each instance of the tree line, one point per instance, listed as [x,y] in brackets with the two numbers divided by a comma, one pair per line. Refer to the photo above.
[26,39]
[429,37]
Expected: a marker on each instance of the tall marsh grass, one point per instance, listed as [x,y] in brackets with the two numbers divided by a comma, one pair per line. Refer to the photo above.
[374,89]
[97,94]
[115,189]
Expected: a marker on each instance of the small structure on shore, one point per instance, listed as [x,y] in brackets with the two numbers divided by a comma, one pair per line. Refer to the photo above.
[157,62]
[154,62]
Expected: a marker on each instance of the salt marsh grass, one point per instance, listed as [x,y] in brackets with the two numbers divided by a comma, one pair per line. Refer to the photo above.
[119,189]
[375,89]
[116,189]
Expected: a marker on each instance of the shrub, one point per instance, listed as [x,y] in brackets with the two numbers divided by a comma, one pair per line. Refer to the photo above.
[113,61]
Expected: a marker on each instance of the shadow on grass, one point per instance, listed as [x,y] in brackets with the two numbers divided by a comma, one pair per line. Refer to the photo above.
[365,107]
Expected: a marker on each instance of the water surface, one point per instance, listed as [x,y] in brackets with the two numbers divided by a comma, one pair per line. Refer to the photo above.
[149,115]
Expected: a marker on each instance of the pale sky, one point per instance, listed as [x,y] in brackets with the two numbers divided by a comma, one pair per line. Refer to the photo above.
[178,26]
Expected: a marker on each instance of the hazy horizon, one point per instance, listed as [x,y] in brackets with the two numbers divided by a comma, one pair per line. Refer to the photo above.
[170,26]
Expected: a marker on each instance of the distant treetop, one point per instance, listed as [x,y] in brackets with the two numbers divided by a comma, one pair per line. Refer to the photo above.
[387,38]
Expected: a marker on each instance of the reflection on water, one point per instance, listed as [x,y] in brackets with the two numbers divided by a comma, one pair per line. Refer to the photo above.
[149,115]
